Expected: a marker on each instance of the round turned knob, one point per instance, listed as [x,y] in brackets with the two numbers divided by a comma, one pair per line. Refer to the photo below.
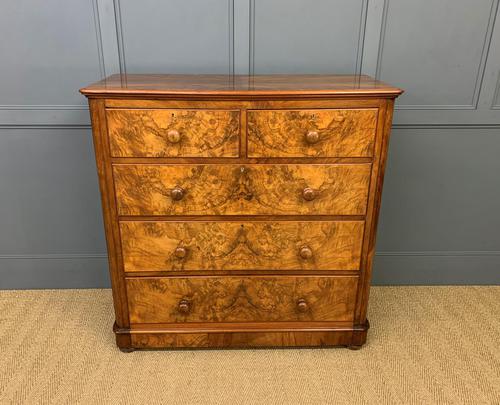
[173,136]
[308,194]
[184,306]
[302,305]
[177,193]
[312,137]
[305,252]
[180,252]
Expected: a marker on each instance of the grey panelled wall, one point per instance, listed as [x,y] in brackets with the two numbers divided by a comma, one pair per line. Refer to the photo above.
[440,214]
[180,37]
[293,36]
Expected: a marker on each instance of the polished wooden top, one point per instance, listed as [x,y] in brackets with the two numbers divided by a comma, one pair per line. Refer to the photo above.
[239,85]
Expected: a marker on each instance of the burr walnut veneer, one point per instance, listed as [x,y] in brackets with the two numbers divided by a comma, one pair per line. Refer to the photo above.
[240,211]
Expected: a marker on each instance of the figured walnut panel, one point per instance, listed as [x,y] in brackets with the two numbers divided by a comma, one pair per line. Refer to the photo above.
[177,246]
[337,133]
[340,189]
[241,299]
[243,339]
[213,86]
[173,133]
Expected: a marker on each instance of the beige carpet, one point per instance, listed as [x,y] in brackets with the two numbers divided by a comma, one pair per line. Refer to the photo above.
[427,345]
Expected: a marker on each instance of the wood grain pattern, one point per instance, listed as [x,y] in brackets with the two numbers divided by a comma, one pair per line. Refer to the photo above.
[104,170]
[237,189]
[240,86]
[257,103]
[338,133]
[231,335]
[373,210]
[173,132]
[241,299]
[238,215]
[155,246]
[158,340]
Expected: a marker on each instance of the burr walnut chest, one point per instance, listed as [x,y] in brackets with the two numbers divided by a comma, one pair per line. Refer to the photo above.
[240,211]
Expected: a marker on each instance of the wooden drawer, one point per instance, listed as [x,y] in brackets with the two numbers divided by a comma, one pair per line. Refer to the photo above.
[319,189]
[173,133]
[286,245]
[314,133]
[241,299]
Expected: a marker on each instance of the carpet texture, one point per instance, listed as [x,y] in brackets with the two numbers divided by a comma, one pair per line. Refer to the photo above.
[427,345]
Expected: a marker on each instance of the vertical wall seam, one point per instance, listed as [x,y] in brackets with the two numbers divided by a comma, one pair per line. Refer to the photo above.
[119,39]
[98,33]
[495,103]
[231,37]
[361,37]
[484,54]
[251,38]
[381,40]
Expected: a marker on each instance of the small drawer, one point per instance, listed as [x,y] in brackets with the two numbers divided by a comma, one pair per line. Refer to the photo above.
[319,189]
[312,133]
[173,133]
[241,299]
[286,245]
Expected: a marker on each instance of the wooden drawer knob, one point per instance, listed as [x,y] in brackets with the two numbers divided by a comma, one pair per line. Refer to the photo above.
[180,252]
[308,194]
[312,137]
[184,306]
[173,136]
[177,193]
[302,305]
[305,252]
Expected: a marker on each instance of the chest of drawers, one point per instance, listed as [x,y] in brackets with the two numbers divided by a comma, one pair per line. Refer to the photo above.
[240,211]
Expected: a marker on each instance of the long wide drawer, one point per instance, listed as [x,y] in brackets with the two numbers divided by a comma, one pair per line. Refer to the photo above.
[241,299]
[315,133]
[173,133]
[316,189]
[286,245]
